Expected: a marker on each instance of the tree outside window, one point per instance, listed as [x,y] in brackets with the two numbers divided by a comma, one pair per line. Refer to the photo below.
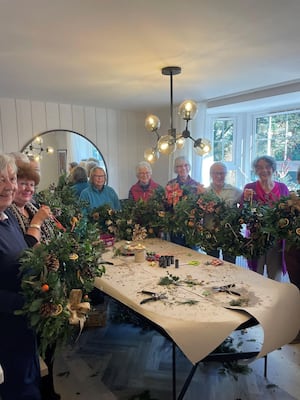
[223,139]
[278,135]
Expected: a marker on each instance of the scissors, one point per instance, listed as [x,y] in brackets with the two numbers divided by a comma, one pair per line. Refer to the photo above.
[153,296]
[226,289]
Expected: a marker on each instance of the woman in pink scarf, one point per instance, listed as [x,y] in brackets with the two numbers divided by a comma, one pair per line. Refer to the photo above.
[267,191]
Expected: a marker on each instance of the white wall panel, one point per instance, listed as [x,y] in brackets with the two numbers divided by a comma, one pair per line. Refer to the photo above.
[101,127]
[39,121]
[78,119]
[24,121]
[90,123]
[126,148]
[52,116]
[9,125]
[65,117]
[112,136]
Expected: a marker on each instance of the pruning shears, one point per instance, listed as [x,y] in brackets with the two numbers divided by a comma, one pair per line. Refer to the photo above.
[153,296]
[226,289]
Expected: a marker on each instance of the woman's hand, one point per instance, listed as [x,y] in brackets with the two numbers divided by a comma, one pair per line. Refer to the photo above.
[44,212]
[200,188]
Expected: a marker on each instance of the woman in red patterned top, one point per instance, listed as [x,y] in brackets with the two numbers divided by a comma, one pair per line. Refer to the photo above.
[145,186]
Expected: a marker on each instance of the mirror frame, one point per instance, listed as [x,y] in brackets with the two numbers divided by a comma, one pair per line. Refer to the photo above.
[68,131]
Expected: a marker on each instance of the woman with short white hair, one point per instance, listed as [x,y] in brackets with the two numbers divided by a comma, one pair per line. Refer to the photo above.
[18,350]
[144,188]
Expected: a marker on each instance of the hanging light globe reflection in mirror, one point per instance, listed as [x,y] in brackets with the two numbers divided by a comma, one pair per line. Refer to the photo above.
[187,110]
[151,155]
[38,141]
[166,144]
[152,123]
[50,150]
[202,146]
[180,141]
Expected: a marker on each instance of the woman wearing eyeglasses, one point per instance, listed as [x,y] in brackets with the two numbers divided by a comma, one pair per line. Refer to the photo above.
[182,168]
[98,193]
[224,191]
[144,188]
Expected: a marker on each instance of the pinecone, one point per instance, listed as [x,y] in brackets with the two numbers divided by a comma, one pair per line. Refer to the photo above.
[88,272]
[52,262]
[48,309]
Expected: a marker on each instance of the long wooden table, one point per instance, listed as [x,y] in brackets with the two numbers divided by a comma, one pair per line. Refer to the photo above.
[196,317]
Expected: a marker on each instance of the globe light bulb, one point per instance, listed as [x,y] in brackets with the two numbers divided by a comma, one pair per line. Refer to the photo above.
[166,144]
[151,155]
[202,146]
[180,141]
[187,110]
[152,123]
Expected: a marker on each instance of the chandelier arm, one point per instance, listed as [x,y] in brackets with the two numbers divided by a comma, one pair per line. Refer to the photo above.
[157,134]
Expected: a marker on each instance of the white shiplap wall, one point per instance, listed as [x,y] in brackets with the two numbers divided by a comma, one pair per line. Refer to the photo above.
[119,135]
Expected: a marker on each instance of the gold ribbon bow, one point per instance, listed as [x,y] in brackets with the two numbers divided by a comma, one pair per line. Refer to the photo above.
[78,309]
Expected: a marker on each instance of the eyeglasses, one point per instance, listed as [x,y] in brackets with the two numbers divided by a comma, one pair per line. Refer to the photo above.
[144,173]
[99,176]
[182,166]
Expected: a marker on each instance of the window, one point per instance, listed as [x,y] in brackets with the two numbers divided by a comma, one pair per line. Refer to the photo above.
[223,129]
[224,141]
[278,135]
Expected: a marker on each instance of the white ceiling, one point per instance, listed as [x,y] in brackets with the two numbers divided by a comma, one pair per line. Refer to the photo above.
[110,52]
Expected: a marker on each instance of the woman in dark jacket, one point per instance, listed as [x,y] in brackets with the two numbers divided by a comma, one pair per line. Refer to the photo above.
[18,350]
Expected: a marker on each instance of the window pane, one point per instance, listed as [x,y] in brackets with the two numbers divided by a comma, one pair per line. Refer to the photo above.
[278,135]
[223,139]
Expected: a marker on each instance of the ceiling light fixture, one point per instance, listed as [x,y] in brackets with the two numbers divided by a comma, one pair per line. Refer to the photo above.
[168,144]
[35,149]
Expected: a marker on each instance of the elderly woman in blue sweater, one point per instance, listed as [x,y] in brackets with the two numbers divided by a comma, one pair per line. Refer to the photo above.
[98,193]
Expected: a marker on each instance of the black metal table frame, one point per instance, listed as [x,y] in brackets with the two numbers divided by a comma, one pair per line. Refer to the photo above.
[217,357]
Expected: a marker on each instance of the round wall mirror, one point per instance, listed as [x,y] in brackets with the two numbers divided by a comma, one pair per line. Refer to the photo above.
[56,149]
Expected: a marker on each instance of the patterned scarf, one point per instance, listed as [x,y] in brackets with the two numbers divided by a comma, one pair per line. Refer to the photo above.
[47,228]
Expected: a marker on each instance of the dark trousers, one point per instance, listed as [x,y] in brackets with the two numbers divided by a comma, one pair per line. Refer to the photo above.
[19,359]
[292,260]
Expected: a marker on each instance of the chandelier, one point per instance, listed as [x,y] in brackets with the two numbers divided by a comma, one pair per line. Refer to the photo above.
[36,149]
[168,144]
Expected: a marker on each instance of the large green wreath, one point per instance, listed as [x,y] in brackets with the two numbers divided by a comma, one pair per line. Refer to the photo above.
[50,271]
